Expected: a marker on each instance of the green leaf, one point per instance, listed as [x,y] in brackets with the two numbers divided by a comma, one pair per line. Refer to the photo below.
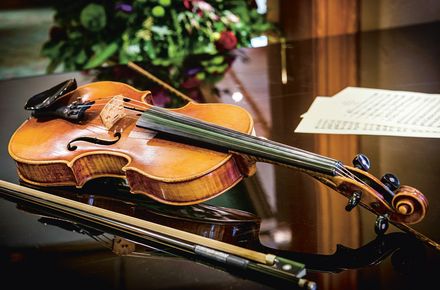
[99,58]
[219,26]
[158,11]
[201,76]
[53,65]
[172,49]
[93,17]
[74,34]
[217,60]
[165,2]
[149,49]
[162,62]
[81,57]
[217,69]
[52,49]
[161,30]
[202,48]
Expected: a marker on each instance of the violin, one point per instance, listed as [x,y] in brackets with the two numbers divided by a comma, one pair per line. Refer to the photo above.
[179,156]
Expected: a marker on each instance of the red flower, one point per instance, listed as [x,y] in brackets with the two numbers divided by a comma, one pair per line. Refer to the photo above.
[160,97]
[227,41]
[188,4]
[190,83]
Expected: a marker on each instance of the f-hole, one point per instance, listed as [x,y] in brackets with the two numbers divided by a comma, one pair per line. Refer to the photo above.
[93,140]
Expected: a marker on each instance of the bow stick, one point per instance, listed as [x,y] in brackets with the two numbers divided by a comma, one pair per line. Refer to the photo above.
[141,230]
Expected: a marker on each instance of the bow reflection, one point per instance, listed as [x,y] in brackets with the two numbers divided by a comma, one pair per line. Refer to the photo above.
[228,225]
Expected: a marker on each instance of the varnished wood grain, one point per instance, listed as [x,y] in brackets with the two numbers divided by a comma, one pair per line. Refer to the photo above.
[172,172]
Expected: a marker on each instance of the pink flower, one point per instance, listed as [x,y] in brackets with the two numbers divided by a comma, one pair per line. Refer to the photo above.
[189,4]
[204,6]
[198,6]
[233,18]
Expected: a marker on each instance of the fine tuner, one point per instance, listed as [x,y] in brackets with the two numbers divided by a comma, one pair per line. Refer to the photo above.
[178,156]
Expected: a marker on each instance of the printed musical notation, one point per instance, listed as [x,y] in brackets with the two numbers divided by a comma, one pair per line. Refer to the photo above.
[364,111]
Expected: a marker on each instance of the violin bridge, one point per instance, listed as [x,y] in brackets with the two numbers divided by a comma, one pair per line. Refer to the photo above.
[113,111]
[123,247]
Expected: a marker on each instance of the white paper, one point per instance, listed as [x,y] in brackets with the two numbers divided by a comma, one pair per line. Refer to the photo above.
[374,112]
[390,107]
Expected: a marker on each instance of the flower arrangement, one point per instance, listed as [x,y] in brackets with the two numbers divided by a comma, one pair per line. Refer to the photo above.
[191,39]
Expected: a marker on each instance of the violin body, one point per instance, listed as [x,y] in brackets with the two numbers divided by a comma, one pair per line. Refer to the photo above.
[162,169]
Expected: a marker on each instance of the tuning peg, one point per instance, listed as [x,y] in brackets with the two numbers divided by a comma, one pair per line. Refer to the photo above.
[362,162]
[353,201]
[391,181]
[381,225]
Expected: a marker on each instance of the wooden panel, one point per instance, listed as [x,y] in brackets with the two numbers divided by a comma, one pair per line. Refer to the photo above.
[330,27]
[302,19]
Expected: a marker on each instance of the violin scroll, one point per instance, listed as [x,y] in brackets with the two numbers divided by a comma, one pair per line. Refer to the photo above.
[409,201]
[385,197]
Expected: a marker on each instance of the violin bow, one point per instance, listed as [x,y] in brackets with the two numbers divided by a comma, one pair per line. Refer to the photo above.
[155,79]
[141,231]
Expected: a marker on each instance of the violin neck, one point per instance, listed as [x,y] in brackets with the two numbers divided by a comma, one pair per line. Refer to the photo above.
[225,139]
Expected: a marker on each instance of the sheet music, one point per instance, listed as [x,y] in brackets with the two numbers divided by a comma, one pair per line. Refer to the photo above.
[365,111]
[391,107]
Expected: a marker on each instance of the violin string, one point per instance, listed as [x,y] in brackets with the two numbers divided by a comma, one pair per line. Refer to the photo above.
[285,148]
[341,170]
[99,240]
[99,125]
[345,172]
[251,143]
[95,105]
[141,106]
[110,97]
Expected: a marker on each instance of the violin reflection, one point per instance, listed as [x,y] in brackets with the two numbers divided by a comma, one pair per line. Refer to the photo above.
[228,225]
